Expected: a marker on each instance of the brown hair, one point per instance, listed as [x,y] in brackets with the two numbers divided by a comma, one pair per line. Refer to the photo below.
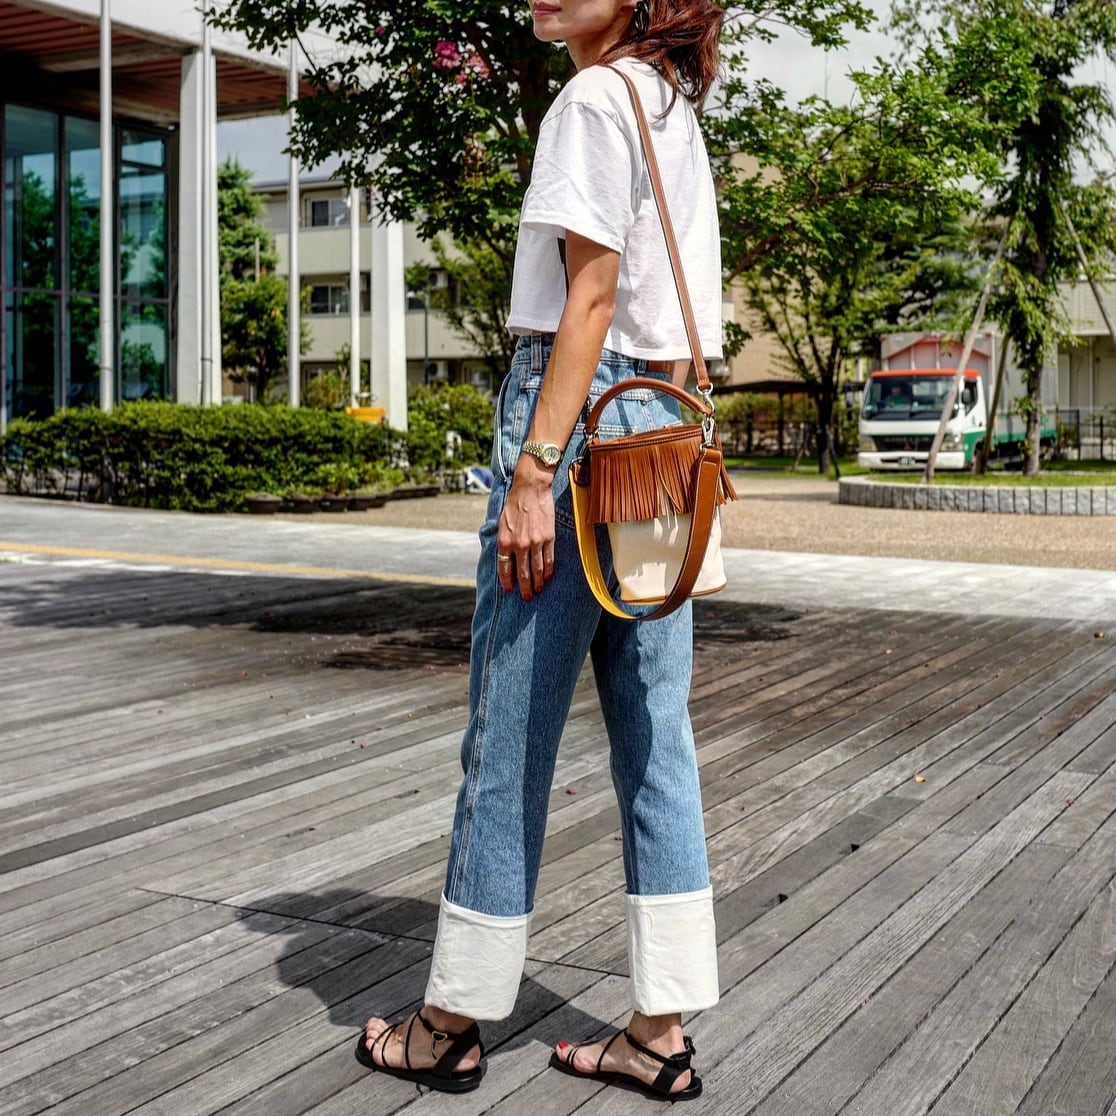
[680,42]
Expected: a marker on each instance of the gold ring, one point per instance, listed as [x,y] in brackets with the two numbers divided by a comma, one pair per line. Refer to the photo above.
[503,557]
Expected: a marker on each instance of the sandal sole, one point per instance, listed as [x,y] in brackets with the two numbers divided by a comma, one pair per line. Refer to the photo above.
[628,1081]
[458,1083]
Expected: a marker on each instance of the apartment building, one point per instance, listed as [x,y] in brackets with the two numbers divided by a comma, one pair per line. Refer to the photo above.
[432,350]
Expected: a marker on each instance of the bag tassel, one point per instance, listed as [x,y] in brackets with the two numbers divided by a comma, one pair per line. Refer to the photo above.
[647,479]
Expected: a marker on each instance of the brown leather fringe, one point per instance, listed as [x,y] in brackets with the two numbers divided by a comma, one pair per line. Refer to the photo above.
[642,476]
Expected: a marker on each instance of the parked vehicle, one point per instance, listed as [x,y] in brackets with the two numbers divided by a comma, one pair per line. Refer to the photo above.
[901,408]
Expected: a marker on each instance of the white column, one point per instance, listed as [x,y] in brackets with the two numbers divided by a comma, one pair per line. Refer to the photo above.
[212,261]
[294,302]
[188,388]
[107,376]
[389,322]
[205,230]
[354,296]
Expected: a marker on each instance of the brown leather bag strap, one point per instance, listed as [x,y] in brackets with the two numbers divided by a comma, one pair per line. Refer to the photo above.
[700,370]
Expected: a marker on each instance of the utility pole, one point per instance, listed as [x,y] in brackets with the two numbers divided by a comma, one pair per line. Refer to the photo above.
[966,352]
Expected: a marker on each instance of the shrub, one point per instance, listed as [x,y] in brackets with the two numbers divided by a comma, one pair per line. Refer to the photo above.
[436,409]
[178,456]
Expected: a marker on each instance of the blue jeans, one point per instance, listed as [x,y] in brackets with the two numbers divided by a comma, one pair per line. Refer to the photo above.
[526,658]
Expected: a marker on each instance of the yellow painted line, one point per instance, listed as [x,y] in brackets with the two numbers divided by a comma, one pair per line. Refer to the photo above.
[233,564]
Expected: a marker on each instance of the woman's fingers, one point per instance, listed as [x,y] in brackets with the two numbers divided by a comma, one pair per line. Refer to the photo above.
[505,571]
[528,568]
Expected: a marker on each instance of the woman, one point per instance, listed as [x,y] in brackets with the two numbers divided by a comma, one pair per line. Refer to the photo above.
[611,313]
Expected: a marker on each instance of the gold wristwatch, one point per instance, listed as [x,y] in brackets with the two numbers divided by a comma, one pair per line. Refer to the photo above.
[547,452]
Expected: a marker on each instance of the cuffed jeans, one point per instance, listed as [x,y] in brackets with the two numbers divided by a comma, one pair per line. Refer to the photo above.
[526,658]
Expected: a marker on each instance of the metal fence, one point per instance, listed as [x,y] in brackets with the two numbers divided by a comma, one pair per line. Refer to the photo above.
[1086,434]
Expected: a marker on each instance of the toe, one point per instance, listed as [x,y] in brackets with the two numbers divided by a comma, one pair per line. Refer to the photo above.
[373,1030]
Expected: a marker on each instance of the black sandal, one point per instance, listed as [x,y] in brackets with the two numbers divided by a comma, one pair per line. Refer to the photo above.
[443,1075]
[673,1067]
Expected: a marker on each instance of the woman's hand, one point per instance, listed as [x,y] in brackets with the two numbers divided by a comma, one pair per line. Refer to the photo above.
[525,538]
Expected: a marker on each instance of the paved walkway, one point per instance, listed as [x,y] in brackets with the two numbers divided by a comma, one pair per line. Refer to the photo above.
[329,546]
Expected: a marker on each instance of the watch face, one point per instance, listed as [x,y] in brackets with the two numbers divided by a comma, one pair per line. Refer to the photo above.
[551,455]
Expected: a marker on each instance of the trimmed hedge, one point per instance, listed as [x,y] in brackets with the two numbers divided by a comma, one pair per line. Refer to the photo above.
[188,458]
[172,455]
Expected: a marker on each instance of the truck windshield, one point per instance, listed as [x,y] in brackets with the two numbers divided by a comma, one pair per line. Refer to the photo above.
[909,397]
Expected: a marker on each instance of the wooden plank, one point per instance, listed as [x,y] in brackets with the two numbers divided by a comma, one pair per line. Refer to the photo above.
[116,944]
[832,1076]
[751,1071]
[1090,809]
[932,1056]
[1081,1076]
[148,1056]
[1002,1070]
[84,1017]
[513,1046]
[89,914]
[596,916]
[737,909]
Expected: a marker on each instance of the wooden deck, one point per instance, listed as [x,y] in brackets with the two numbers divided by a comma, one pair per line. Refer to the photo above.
[224,804]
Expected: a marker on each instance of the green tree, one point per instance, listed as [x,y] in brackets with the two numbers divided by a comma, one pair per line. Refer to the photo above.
[1015,62]
[850,222]
[254,331]
[253,307]
[436,104]
[242,236]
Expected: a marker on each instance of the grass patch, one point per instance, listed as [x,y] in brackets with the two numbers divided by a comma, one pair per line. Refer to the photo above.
[807,467]
[1092,467]
[1005,480]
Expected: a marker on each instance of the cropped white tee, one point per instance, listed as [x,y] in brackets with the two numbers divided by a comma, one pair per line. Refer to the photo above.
[589,176]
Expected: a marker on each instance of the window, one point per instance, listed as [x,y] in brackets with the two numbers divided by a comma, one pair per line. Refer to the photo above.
[329,298]
[329,213]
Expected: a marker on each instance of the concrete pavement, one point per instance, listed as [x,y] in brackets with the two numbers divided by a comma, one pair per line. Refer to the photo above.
[324,546]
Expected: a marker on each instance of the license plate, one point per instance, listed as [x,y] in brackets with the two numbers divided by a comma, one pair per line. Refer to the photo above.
[906,460]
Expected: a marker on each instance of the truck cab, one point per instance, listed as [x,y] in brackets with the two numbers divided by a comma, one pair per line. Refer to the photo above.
[900,412]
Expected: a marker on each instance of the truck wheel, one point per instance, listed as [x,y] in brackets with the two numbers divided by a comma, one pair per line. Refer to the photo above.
[974,465]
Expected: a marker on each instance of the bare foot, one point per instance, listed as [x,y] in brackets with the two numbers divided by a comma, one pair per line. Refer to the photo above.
[659,1033]
[409,1045]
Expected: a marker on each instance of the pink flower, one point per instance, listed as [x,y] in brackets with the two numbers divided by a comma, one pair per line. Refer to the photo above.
[478,65]
[446,55]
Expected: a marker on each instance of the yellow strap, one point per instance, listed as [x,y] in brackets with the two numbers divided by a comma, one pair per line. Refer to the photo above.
[587,546]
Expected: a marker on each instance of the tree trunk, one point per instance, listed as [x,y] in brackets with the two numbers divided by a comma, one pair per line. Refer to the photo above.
[825,427]
[1032,462]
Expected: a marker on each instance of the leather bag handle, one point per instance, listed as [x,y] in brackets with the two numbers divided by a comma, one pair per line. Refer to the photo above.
[645,382]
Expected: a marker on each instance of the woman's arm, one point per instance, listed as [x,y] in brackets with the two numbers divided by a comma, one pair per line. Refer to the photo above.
[526,530]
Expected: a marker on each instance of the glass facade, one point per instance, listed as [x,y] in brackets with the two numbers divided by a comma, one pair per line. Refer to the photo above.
[50,233]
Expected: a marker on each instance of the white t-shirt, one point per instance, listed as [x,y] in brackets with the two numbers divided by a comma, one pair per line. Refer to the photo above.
[589,176]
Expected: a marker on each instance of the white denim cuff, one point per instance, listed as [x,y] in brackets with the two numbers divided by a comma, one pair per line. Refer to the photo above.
[478,962]
[672,952]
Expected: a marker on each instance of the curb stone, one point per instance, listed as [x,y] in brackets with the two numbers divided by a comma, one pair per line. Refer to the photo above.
[1024,500]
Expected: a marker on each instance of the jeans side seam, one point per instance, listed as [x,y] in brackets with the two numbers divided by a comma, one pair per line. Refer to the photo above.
[476,754]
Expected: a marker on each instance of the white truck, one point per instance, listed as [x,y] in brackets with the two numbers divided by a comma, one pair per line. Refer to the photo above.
[901,408]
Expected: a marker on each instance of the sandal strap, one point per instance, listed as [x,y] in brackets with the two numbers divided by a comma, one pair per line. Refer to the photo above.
[605,1050]
[674,1065]
[462,1043]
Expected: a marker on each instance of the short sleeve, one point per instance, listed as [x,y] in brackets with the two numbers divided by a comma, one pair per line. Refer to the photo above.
[584,178]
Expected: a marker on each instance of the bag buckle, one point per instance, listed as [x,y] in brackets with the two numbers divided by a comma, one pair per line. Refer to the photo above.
[708,421]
